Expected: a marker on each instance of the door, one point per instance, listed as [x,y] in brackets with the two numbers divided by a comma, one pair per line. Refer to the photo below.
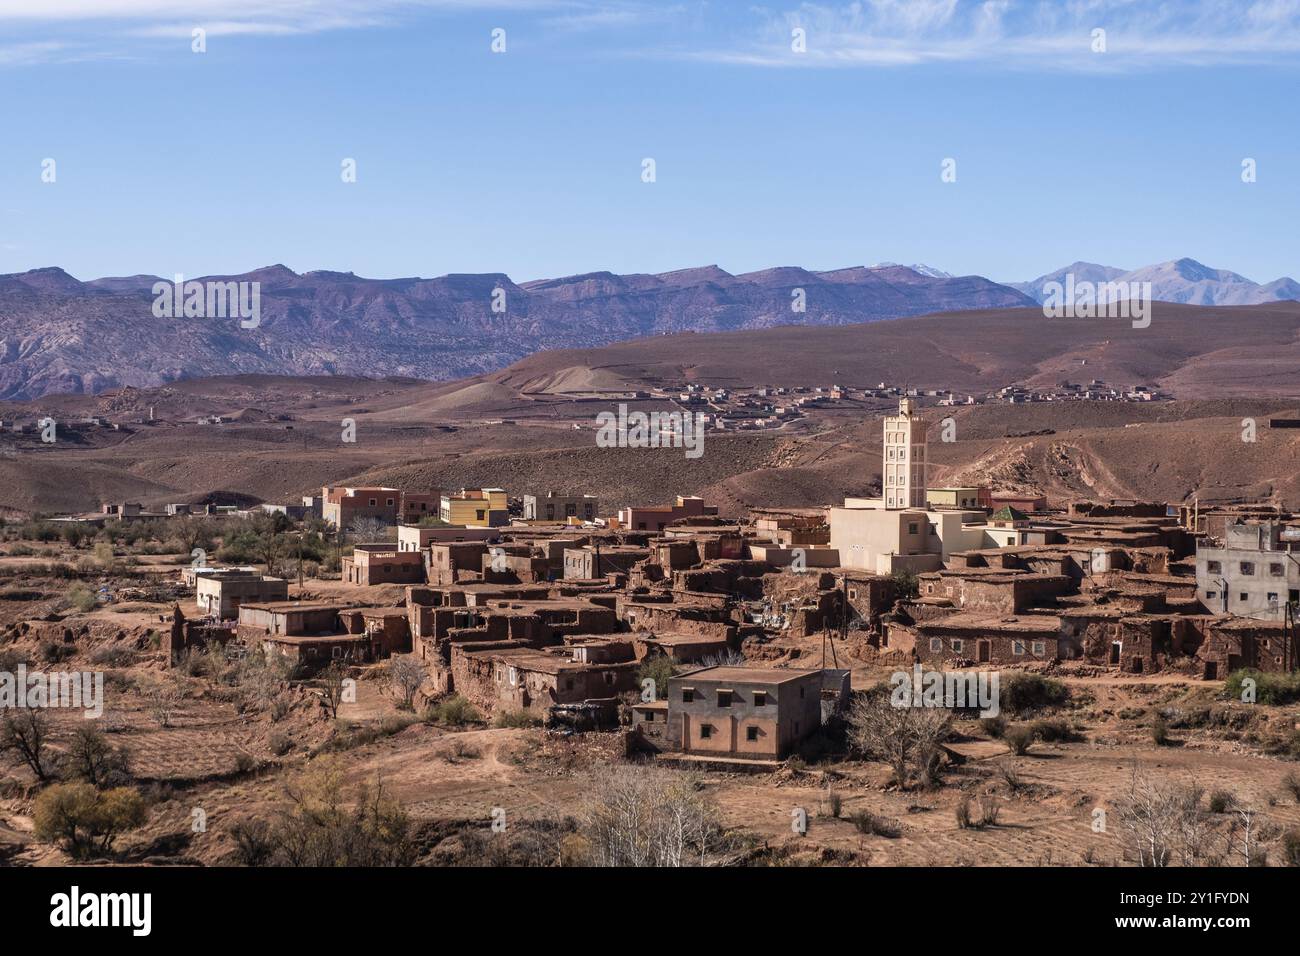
[1115,649]
[984,651]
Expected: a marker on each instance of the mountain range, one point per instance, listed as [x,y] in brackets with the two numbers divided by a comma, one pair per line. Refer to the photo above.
[1184,281]
[58,334]
[62,335]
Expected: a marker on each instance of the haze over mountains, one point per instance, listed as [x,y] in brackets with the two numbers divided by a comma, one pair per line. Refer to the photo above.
[61,335]
[1184,281]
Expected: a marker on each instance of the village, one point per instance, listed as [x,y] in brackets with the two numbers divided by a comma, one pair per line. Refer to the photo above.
[693,643]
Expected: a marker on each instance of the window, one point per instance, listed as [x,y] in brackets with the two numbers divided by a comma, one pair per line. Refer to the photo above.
[478,514]
[688,695]
[706,731]
[911,528]
[337,652]
[1211,595]
[760,698]
[1248,567]
[1243,596]
[1040,648]
[853,594]
[1272,597]
[373,502]
[1213,567]
[936,644]
[389,502]
[1276,570]
[958,644]
[751,733]
[1017,647]
[801,694]
[724,698]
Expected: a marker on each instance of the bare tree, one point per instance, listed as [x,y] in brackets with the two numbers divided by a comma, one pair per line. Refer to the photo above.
[333,683]
[365,529]
[907,738]
[1248,833]
[93,759]
[643,816]
[26,733]
[163,697]
[406,675]
[1162,823]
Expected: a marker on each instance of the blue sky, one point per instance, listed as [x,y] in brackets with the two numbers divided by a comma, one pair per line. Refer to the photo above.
[529,161]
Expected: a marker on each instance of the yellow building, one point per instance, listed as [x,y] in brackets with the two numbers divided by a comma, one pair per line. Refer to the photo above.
[953,497]
[476,508]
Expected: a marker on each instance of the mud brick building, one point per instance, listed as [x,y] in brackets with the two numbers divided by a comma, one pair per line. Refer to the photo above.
[454,562]
[381,564]
[513,676]
[754,712]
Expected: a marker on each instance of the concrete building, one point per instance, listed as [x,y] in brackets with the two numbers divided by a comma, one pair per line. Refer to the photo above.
[657,517]
[755,712]
[553,507]
[382,564]
[903,477]
[418,538]
[219,592]
[342,506]
[476,508]
[1256,572]
[970,497]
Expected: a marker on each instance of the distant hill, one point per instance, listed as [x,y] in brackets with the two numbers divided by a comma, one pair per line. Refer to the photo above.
[60,335]
[1190,351]
[1180,280]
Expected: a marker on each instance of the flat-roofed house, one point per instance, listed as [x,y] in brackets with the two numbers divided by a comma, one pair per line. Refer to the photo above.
[219,592]
[756,712]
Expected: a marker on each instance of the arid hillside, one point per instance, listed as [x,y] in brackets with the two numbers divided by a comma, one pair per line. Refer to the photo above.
[530,427]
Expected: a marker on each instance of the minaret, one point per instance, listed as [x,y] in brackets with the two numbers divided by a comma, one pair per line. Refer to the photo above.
[903,461]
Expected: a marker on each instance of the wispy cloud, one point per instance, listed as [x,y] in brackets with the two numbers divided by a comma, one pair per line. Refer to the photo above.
[1013,34]
[1019,34]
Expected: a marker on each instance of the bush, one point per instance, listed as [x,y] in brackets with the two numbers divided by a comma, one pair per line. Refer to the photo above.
[1269,688]
[1160,732]
[1221,801]
[1023,693]
[516,718]
[658,668]
[55,652]
[113,656]
[1291,784]
[963,812]
[989,810]
[87,820]
[871,823]
[454,711]
[1056,730]
[82,598]
[995,727]
[1019,738]
[834,803]
[1011,777]
[1291,847]
[280,744]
